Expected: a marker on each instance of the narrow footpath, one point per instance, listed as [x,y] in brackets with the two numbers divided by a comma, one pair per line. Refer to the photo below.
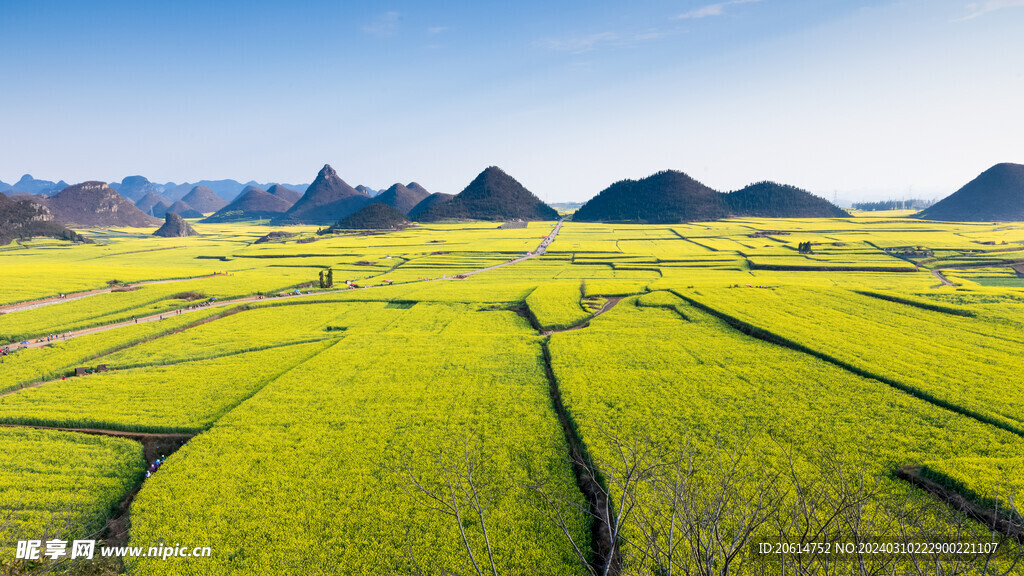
[36,343]
[30,304]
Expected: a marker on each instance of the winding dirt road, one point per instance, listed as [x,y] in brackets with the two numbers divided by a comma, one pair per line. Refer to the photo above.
[945,281]
[39,343]
[30,304]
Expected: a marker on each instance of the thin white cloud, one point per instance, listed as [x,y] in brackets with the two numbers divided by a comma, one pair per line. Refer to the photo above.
[433,30]
[980,8]
[591,42]
[579,44]
[384,25]
[716,9]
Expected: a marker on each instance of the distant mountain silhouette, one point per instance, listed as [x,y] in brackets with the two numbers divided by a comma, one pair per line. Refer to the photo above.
[135,188]
[327,200]
[175,192]
[402,198]
[667,197]
[435,198]
[27,219]
[159,209]
[671,197]
[997,195]
[175,227]
[771,200]
[181,208]
[493,195]
[204,200]
[227,190]
[94,204]
[252,203]
[286,194]
[367,190]
[150,201]
[29,185]
[373,216]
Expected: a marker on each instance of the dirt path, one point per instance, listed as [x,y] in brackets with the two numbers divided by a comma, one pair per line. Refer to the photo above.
[612,301]
[115,531]
[30,304]
[154,318]
[945,281]
[158,317]
[154,444]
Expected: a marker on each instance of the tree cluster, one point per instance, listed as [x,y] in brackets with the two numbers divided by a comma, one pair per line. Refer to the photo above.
[327,278]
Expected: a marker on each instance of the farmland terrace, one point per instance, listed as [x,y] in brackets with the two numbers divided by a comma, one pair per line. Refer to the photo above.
[554,398]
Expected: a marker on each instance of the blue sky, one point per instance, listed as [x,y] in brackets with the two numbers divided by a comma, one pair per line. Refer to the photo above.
[864,98]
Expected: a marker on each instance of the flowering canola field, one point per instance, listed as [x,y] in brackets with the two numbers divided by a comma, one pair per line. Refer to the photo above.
[404,419]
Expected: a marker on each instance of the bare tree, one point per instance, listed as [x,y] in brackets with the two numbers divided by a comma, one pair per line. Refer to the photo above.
[668,509]
[455,491]
[64,524]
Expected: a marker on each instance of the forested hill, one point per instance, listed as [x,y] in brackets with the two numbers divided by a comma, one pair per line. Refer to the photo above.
[671,197]
[664,198]
[374,216]
[996,195]
[493,195]
[771,200]
[27,219]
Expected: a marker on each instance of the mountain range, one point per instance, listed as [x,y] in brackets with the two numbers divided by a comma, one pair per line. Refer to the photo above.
[151,200]
[254,202]
[403,198]
[327,200]
[135,187]
[666,197]
[29,185]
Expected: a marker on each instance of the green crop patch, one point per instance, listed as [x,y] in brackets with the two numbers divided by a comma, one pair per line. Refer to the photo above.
[61,484]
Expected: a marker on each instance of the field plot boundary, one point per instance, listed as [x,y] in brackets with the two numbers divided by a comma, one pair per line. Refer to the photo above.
[827,268]
[917,304]
[39,302]
[942,488]
[49,376]
[604,546]
[149,430]
[772,338]
[610,302]
[217,355]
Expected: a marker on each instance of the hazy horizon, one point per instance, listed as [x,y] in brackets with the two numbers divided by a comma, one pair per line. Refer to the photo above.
[885,99]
